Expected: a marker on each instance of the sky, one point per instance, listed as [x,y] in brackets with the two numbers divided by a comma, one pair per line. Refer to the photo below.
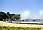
[27,8]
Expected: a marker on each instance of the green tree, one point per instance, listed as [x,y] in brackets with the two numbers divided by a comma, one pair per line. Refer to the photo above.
[3,16]
[17,17]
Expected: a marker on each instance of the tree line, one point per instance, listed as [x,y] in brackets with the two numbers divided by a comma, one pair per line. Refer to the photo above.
[4,16]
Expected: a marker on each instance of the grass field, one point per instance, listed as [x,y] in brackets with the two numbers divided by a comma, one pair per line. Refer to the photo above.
[18,28]
[11,26]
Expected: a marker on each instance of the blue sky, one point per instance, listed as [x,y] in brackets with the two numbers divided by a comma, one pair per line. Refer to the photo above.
[17,6]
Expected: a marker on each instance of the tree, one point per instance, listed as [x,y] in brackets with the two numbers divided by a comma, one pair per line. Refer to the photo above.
[17,17]
[3,16]
[34,20]
[8,13]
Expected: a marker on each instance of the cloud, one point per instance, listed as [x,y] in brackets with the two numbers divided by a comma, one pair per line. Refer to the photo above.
[41,14]
[25,15]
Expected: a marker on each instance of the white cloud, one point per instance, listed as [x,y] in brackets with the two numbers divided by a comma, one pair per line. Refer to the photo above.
[25,15]
[41,15]
[41,12]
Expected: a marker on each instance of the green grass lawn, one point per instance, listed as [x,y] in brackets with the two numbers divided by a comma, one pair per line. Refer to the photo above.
[18,28]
